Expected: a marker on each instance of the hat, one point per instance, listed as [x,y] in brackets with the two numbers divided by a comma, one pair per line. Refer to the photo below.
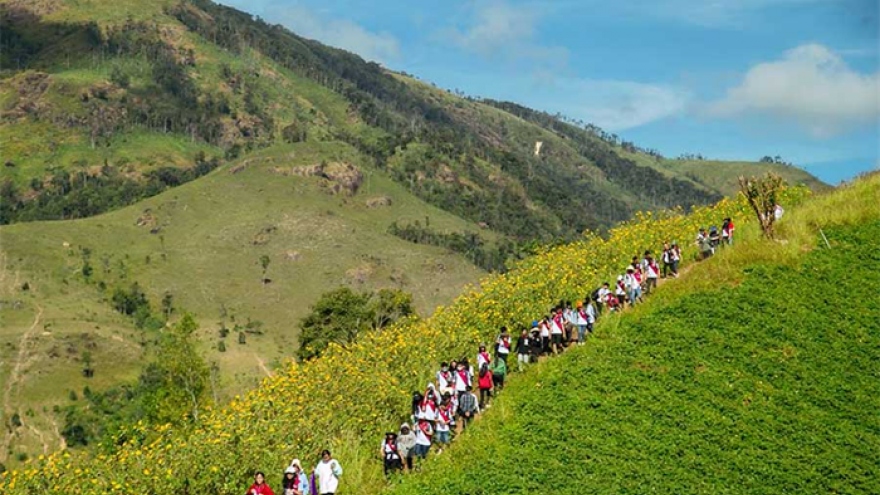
[405,425]
[620,278]
[580,304]
[534,323]
[290,470]
[391,433]
[296,463]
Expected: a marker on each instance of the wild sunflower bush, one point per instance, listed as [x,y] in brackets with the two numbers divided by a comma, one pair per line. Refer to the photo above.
[348,397]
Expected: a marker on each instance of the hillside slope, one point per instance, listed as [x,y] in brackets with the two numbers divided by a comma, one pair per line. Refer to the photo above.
[88,87]
[756,372]
[201,243]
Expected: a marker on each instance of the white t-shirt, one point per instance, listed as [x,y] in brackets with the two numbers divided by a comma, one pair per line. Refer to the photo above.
[426,410]
[461,383]
[442,382]
[545,330]
[421,438]
[441,419]
[328,480]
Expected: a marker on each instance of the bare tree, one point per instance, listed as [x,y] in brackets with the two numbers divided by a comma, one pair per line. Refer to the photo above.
[762,194]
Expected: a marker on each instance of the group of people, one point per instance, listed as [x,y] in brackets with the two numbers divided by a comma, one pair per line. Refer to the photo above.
[708,242]
[324,479]
[450,402]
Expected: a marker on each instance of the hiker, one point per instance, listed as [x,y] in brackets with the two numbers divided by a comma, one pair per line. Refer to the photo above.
[424,433]
[557,329]
[666,259]
[676,258]
[462,379]
[444,378]
[570,317]
[482,357]
[620,291]
[522,348]
[612,302]
[582,320]
[601,298]
[468,407]
[651,271]
[633,287]
[259,487]
[295,481]
[778,211]
[417,398]
[503,345]
[714,238]
[485,384]
[406,445]
[427,408]
[390,452]
[727,229]
[704,244]
[327,473]
[545,335]
[499,373]
[536,345]
[444,422]
[591,317]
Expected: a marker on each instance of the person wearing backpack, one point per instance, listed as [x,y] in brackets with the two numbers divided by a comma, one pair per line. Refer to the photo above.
[390,452]
[444,422]
[485,384]
[727,232]
[503,345]
[295,481]
[327,473]
[406,445]
[424,434]
[499,373]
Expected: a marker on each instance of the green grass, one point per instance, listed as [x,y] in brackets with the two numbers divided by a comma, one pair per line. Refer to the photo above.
[210,264]
[763,382]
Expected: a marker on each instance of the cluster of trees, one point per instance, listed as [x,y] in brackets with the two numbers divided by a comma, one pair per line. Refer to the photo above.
[774,159]
[79,194]
[133,302]
[340,315]
[470,244]
[174,389]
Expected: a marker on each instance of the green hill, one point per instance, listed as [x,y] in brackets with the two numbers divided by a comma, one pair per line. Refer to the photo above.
[201,243]
[173,143]
[753,373]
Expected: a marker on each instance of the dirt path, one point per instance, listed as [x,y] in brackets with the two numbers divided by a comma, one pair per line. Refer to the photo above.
[15,375]
[262,365]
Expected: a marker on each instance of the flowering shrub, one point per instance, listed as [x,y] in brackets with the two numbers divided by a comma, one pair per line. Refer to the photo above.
[361,390]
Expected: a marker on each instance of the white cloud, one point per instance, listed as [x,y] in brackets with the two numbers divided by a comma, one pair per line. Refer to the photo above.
[811,86]
[342,33]
[496,28]
[610,104]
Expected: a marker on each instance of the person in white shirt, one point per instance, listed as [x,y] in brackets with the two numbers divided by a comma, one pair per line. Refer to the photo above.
[482,357]
[328,472]
[444,379]
[424,433]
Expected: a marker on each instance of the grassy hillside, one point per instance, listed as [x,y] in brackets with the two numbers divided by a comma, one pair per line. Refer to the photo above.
[754,373]
[360,389]
[202,243]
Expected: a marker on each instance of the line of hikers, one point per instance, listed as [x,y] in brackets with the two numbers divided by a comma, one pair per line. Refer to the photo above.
[449,403]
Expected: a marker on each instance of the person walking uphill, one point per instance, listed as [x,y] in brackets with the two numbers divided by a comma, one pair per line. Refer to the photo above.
[295,481]
[406,445]
[259,487]
[328,472]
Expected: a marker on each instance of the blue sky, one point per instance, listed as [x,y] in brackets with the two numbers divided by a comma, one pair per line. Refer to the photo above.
[727,79]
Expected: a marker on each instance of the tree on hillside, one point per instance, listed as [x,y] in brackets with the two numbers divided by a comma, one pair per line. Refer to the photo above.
[339,315]
[178,380]
[762,194]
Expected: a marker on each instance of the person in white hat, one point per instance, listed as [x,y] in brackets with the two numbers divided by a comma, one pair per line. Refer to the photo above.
[295,481]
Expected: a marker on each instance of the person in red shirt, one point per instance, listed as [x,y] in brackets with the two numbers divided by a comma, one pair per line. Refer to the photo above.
[485,382]
[259,487]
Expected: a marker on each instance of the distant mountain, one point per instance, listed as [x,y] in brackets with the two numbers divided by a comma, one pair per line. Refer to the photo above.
[144,88]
